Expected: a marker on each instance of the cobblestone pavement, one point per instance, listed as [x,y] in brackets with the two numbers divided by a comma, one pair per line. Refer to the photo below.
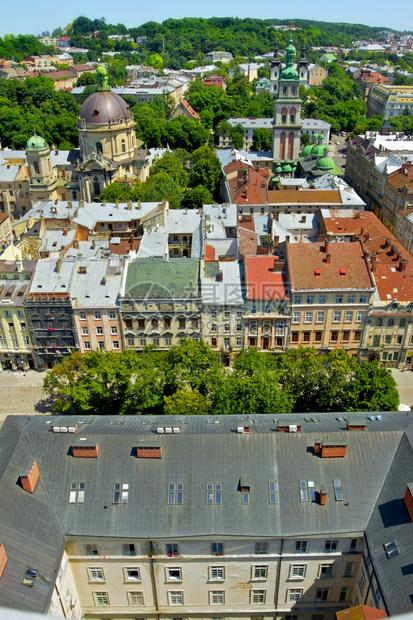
[21,394]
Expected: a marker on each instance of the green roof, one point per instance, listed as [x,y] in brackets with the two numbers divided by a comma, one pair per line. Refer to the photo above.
[330,57]
[160,279]
[325,163]
[318,150]
[289,73]
[287,168]
[307,150]
[36,143]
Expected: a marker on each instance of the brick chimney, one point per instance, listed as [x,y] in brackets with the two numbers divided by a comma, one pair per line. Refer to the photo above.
[357,215]
[326,245]
[403,264]
[367,235]
[323,497]
[220,276]
[29,481]
[374,265]
[85,450]
[387,242]
[408,499]
[3,558]
[393,250]
[328,259]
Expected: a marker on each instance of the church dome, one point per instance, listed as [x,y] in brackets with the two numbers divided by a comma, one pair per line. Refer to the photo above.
[326,163]
[104,106]
[318,150]
[36,143]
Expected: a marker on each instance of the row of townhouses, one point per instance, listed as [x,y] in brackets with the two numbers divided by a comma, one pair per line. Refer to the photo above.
[124,276]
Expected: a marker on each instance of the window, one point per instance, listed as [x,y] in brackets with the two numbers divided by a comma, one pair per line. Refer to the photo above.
[97,315]
[301,546]
[245,497]
[346,336]
[120,493]
[128,549]
[112,314]
[239,314]
[155,341]
[176,598]
[360,316]
[214,493]
[253,309]
[308,317]
[310,299]
[260,571]
[334,336]
[217,597]
[317,336]
[307,491]
[261,548]
[272,492]
[172,549]
[326,570]
[353,544]
[363,299]
[142,342]
[173,573]
[213,315]
[390,322]
[113,330]
[168,341]
[267,309]
[129,323]
[294,336]
[321,299]
[216,573]
[320,317]
[77,493]
[85,331]
[132,573]
[343,594]
[297,299]
[91,549]
[101,598]
[339,299]
[379,322]
[296,317]
[96,574]
[239,327]
[226,327]
[298,571]
[154,323]
[376,340]
[115,344]
[175,493]
[348,317]
[141,323]
[402,322]
[227,314]
[306,336]
[239,342]
[362,582]
[336,316]
[294,595]
[181,323]
[258,597]
[331,545]
[349,569]
[351,299]
[99,331]
[20,313]
[322,595]
[399,339]
[213,342]
[135,598]
[217,548]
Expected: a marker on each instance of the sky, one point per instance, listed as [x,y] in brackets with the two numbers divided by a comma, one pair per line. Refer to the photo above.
[45,15]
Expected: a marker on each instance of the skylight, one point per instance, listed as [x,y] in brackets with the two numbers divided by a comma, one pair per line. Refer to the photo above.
[337,490]
[391,549]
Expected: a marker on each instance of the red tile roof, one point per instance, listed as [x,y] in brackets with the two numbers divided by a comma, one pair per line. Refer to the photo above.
[190,110]
[125,246]
[357,223]
[361,612]
[347,268]
[246,185]
[262,281]
[209,253]
[305,196]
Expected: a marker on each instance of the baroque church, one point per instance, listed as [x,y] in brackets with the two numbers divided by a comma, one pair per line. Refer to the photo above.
[108,151]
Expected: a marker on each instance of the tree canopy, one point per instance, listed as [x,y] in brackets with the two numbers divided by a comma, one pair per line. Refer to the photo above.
[189,380]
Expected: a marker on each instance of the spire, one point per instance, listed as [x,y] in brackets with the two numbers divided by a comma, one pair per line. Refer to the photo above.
[303,62]
[290,53]
[276,62]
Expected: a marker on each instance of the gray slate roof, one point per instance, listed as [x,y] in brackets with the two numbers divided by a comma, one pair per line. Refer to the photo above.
[374,474]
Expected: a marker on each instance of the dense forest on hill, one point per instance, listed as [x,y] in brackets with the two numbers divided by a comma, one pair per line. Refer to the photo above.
[22,46]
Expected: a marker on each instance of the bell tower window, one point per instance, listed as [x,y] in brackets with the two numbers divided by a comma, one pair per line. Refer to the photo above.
[36,167]
[99,148]
[123,146]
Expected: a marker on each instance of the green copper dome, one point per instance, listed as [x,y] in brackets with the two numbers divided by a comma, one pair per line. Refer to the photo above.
[307,150]
[326,163]
[318,150]
[36,143]
[289,73]
[287,168]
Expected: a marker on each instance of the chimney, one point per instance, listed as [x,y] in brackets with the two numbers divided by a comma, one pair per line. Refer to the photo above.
[58,265]
[65,232]
[103,203]
[408,500]
[393,250]
[278,265]
[76,244]
[116,205]
[357,215]
[287,238]
[403,264]
[328,259]
[220,277]
[139,204]
[367,235]
[3,558]
[323,497]
[104,280]
[29,480]
[129,205]
[94,244]
[81,203]
[56,201]
[361,231]
[326,244]
[303,219]
[85,450]
[374,265]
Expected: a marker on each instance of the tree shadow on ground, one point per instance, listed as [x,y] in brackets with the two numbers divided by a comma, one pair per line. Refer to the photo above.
[45,405]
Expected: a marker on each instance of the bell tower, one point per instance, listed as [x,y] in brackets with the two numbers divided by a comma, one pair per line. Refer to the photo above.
[42,177]
[287,124]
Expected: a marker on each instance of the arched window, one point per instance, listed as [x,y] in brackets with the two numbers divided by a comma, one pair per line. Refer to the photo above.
[36,167]
[123,146]
[282,146]
[99,148]
[293,91]
[284,118]
[292,118]
[96,186]
[284,90]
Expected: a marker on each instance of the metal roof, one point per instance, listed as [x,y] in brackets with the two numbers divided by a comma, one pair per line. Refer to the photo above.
[158,278]
[374,473]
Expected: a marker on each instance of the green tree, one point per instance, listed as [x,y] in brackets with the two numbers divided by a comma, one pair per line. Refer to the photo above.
[205,169]
[196,198]
[186,401]
[155,61]
[372,389]
[262,140]
[116,192]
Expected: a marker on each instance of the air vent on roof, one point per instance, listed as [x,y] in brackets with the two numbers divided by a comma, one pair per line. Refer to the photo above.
[330,449]
[317,272]
[168,429]
[64,429]
[149,452]
[288,428]
[85,450]
[243,429]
